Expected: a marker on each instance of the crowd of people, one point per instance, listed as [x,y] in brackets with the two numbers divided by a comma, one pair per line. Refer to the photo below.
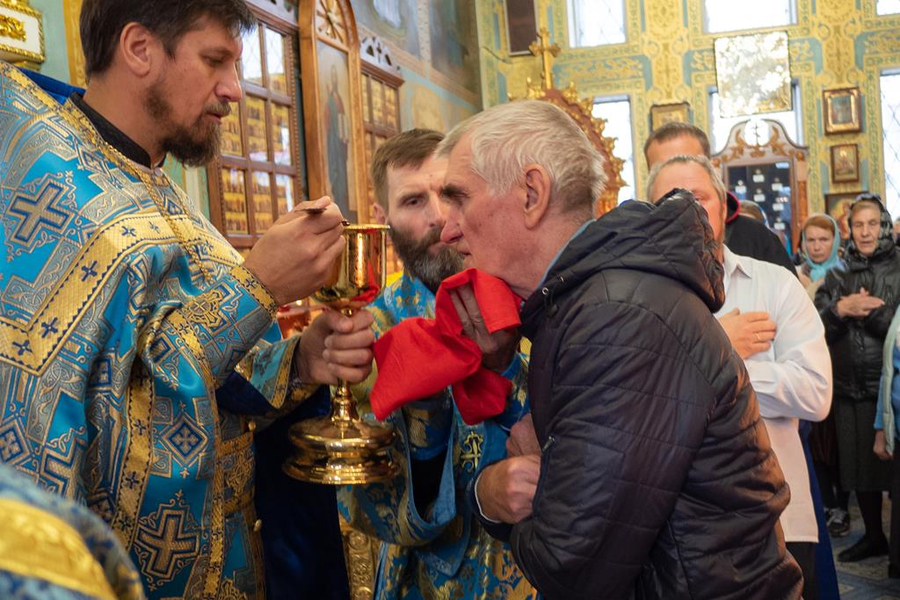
[689,421]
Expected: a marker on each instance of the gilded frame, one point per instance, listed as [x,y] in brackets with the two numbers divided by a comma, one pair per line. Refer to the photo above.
[844,163]
[329,25]
[841,110]
[25,55]
[660,114]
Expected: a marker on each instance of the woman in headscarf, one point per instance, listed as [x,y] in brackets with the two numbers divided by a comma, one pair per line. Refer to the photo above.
[857,302]
[820,249]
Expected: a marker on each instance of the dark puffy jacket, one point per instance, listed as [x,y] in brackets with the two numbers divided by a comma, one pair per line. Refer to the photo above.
[856,344]
[657,476]
[748,237]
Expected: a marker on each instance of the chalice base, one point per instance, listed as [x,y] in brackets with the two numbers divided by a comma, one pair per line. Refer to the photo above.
[341,452]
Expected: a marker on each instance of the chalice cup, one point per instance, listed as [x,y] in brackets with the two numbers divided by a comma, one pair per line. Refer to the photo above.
[342,448]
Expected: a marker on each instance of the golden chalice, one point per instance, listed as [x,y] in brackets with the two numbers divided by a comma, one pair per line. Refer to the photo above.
[342,448]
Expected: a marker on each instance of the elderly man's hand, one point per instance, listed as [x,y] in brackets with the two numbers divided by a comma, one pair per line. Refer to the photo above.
[498,348]
[296,254]
[336,347]
[858,306]
[749,333]
[522,438]
[505,490]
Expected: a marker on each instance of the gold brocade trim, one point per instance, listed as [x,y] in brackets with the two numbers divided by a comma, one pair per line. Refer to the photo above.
[33,345]
[39,545]
[256,288]
[187,336]
[212,578]
[239,474]
[136,464]
[256,549]
[283,379]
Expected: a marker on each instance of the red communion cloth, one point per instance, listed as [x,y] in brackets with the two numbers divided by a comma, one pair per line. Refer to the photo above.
[420,357]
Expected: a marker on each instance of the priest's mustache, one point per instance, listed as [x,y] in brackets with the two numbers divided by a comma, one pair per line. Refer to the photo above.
[222,109]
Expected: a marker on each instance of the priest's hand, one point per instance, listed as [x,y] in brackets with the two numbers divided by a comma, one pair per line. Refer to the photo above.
[294,257]
[335,347]
[505,490]
[749,333]
[498,348]
[522,438]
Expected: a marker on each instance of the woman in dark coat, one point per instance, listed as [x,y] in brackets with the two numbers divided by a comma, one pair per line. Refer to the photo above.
[856,303]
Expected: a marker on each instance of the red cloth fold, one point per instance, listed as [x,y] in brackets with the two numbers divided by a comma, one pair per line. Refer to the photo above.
[420,357]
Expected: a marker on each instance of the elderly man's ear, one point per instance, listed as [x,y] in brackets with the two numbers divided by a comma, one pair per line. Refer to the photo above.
[537,195]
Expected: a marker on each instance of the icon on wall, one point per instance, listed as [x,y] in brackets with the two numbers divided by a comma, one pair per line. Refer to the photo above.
[753,74]
[841,109]
[844,163]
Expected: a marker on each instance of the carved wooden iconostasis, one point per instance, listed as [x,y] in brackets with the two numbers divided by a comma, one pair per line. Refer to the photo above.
[332,105]
[761,163]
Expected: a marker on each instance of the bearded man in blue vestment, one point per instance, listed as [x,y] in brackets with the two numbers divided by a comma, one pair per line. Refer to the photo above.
[139,353]
[432,546]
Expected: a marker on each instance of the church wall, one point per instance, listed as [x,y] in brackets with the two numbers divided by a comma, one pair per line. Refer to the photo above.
[434,42]
[667,58]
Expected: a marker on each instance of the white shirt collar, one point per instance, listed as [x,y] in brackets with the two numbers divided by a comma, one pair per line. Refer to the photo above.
[734,262]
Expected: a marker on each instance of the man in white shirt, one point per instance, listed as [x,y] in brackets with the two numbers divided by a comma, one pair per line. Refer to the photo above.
[781,339]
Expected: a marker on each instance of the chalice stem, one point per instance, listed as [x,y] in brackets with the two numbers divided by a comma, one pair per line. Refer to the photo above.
[343,405]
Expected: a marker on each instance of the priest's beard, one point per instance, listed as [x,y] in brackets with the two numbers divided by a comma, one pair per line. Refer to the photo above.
[194,146]
[429,268]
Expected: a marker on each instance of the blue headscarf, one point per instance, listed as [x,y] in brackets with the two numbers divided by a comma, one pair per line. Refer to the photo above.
[817,270]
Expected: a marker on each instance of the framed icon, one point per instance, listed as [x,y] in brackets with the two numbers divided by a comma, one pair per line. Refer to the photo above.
[841,109]
[844,163]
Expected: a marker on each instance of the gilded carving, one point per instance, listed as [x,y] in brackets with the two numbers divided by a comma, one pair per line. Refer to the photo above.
[12,28]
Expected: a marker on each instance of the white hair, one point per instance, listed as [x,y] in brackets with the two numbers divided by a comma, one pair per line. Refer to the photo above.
[507,138]
[684,159]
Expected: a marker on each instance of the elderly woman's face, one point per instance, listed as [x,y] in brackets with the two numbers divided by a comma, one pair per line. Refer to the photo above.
[865,227]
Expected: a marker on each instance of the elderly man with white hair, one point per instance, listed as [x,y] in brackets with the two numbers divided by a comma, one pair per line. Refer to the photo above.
[782,341]
[656,478]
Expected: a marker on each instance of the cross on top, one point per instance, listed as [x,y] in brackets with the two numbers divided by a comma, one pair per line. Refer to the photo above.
[543,48]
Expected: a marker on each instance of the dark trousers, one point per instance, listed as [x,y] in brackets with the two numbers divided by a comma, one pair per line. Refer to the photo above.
[830,484]
[805,555]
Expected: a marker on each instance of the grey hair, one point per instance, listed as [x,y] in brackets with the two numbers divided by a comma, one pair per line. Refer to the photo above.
[507,138]
[684,159]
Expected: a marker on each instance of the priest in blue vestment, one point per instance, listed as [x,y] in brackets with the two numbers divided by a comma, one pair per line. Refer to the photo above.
[433,547]
[139,354]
